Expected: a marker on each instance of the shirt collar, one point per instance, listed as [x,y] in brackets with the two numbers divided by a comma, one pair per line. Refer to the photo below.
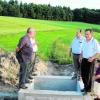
[90,40]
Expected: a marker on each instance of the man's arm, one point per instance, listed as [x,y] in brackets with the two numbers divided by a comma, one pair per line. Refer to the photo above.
[97,77]
[21,43]
[97,52]
[80,57]
[70,52]
[93,57]
[17,49]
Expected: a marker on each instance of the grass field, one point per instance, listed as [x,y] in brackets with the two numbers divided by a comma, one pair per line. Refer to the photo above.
[12,28]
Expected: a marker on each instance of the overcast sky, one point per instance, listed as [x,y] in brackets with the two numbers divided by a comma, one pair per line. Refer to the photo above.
[95,4]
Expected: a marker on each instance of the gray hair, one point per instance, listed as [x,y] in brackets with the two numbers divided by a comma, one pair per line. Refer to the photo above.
[30,29]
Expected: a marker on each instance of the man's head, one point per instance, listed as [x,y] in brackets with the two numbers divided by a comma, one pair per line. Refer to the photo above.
[79,33]
[88,34]
[31,32]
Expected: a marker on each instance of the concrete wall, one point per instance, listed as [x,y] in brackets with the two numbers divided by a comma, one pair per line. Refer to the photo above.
[55,83]
[32,96]
[38,94]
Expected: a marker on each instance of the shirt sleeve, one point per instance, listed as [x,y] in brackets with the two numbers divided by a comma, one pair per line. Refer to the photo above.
[22,42]
[71,43]
[83,42]
[97,47]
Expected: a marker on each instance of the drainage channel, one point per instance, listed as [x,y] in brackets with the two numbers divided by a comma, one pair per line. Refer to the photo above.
[8,95]
[52,88]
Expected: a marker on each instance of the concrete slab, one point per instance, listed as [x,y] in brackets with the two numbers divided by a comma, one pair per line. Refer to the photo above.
[52,88]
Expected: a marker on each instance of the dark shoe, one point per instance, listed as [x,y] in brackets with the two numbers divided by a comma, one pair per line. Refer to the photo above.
[34,74]
[22,86]
[83,90]
[85,93]
[30,77]
[79,78]
[96,98]
[28,81]
[74,77]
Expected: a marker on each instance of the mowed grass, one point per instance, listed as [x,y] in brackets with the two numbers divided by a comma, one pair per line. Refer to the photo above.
[12,29]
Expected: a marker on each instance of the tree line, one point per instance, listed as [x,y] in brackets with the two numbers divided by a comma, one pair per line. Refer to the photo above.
[48,12]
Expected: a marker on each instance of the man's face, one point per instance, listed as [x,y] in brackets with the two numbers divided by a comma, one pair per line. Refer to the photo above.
[78,34]
[32,34]
[88,35]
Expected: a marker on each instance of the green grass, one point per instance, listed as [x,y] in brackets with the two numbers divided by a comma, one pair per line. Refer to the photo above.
[12,28]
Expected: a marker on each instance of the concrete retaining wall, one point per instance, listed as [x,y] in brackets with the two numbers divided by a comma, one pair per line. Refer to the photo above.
[34,93]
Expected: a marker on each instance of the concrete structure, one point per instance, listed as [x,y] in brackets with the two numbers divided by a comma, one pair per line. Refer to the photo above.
[52,88]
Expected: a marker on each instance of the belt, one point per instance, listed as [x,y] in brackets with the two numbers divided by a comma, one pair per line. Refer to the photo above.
[75,54]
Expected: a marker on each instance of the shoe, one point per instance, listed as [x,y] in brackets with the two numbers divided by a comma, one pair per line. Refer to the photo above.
[22,86]
[96,98]
[30,77]
[74,77]
[34,74]
[83,90]
[79,77]
[28,81]
[84,93]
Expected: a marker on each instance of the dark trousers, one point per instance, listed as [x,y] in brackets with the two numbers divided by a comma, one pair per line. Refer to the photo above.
[28,71]
[32,63]
[87,72]
[23,72]
[77,64]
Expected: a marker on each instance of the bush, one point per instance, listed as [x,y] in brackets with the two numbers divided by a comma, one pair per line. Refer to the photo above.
[60,52]
[96,30]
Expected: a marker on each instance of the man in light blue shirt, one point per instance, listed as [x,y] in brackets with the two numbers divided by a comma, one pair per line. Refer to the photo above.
[90,51]
[75,50]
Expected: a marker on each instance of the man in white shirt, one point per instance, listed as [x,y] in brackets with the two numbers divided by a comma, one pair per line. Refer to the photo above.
[76,49]
[90,51]
[35,49]
[33,57]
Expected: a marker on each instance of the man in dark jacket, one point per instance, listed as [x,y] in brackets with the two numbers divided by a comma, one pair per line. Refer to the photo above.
[24,54]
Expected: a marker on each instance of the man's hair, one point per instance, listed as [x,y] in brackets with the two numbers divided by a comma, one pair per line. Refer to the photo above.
[91,31]
[30,29]
[79,30]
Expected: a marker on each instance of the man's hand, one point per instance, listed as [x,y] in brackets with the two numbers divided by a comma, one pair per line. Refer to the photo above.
[80,59]
[96,77]
[17,49]
[93,57]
